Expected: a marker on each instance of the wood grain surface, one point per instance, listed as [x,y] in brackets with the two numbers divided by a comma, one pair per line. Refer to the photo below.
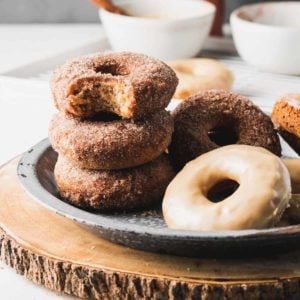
[59,254]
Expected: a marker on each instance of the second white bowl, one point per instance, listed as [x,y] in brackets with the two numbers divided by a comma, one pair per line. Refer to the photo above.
[267,35]
[169,29]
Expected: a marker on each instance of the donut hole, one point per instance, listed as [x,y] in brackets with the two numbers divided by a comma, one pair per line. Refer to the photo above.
[224,134]
[112,69]
[105,117]
[222,190]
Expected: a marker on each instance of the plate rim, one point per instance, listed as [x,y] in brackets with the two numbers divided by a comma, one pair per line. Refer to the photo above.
[26,170]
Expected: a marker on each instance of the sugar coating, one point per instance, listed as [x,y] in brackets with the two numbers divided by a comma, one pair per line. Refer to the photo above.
[116,144]
[116,190]
[201,113]
[128,84]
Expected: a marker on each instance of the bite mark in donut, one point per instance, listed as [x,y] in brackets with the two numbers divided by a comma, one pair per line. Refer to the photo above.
[127,84]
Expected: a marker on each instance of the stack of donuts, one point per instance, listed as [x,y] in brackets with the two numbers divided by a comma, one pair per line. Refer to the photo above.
[112,130]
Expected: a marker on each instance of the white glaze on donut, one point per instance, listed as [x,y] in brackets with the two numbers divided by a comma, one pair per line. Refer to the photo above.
[259,202]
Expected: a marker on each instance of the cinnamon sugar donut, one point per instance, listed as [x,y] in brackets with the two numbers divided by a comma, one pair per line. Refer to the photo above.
[115,190]
[127,84]
[286,117]
[111,144]
[216,118]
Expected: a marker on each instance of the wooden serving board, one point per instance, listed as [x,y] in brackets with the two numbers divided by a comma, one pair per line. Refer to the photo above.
[56,252]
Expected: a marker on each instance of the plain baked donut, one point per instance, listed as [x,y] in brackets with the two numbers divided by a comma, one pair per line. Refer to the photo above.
[292,213]
[216,118]
[115,144]
[198,74]
[127,84]
[286,117]
[262,196]
[115,190]
[293,166]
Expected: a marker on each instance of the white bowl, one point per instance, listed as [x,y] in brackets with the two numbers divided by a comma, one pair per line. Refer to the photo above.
[168,29]
[267,35]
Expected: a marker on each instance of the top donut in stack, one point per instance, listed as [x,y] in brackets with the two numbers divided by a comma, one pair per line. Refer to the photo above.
[129,85]
[112,124]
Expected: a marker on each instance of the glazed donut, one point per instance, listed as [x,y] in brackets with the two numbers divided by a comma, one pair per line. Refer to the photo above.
[263,194]
[216,118]
[116,190]
[286,117]
[112,144]
[127,84]
[198,74]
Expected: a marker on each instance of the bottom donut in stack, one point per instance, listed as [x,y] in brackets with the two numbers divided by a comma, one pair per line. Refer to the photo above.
[262,194]
[124,189]
[112,164]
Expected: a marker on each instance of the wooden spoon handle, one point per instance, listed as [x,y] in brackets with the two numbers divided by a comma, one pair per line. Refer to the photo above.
[218,21]
[107,5]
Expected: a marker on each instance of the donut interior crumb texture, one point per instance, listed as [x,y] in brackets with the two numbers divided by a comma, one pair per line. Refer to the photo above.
[127,84]
[91,95]
[286,117]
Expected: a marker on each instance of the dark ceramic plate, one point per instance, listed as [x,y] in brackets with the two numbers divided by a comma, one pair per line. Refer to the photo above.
[146,230]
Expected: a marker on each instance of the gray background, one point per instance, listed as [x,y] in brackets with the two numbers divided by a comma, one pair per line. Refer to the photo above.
[63,11]
[47,11]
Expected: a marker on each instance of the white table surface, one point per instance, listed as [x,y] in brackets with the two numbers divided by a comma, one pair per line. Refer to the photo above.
[26,108]
[21,45]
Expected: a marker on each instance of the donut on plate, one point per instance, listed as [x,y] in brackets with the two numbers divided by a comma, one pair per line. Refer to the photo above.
[127,84]
[111,144]
[216,118]
[293,166]
[286,117]
[292,213]
[198,74]
[113,190]
[259,201]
